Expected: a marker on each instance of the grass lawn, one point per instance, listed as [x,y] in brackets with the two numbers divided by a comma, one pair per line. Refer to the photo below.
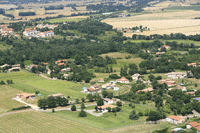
[6,101]
[39,122]
[30,82]
[107,120]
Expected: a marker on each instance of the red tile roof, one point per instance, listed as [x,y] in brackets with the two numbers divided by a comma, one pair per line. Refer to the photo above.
[60,64]
[194,124]
[175,117]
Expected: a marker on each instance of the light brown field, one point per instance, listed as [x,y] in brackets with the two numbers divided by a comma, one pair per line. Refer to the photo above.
[161,23]
[7,6]
[164,4]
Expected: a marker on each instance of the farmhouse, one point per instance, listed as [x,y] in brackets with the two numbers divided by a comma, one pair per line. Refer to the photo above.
[160,53]
[146,90]
[190,93]
[177,75]
[167,47]
[30,32]
[47,33]
[136,77]
[66,75]
[107,101]
[17,65]
[175,119]
[123,80]
[183,88]
[14,69]
[192,64]
[7,31]
[108,85]
[5,65]
[168,82]
[57,95]
[94,89]
[65,69]
[192,124]
[101,80]
[26,96]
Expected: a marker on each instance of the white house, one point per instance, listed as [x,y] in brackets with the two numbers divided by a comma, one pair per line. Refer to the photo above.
[47,33]
[192,124]
[30,32]
[108,86]
[175,119]
[107,101]
[123,80]
[136,77]
[177,75]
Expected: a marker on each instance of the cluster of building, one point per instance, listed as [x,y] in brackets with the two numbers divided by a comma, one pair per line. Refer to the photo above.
[32,32]
[5,30]
[12,68]
[92,89]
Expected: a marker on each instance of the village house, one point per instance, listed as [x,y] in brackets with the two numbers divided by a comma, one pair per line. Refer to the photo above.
[5,65]
[146,90]
[177,75]
[143,50]
[191,93]
[136,77]
[60,61]
[14,69]
[168,82]
[175,119]
[17,65]
[160,53]
[123,80]
[167,47]
[57,95]
[198,129]
[46,34]
[7,31]
[100,80]
[107,101]
[192,64]
[30,32]
[183,88]
[4,26]
[93,89]
[26,96]
[68,69]
[159,49]
[45,64]
[61,64]
[108,85]
[105,107]
[192,124]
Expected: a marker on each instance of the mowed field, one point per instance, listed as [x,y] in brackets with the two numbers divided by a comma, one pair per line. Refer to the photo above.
[6,101]
[161,22]
[30,82]
[37,122]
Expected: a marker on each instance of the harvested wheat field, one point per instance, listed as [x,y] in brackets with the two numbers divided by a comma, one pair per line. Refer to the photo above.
[161,23]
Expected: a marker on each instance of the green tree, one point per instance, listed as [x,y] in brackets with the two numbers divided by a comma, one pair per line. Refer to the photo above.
[82,114]
[82,106]
[59,100]
[140,113]
[154,116]
[109,109]
[77,101]
[42,103]
[158,101]
[83,100]
[100,102]
[51,102]
[133,115]
[73,108]
[90,97]
[119,103]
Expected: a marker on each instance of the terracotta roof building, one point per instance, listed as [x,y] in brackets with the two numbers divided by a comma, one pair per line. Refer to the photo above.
[192,124]
[26,96]
[175,119]
[123,80]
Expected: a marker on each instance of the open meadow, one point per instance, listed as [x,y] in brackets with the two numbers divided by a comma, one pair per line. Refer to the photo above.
[30,82]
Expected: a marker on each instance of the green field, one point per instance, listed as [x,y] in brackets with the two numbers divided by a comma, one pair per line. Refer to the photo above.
[37,122]
[107,121]
[6,101]
[5,46]
[30,82]
[59,20]
[178,41]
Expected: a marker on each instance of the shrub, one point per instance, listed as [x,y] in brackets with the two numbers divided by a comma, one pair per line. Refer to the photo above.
[119,103]
[73,108]
[53,111]
[114,109]
[82,114]
[133,116]
[83,100]
[133,106]
[118,109]
[140,114]
[109,109]
[130,104]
